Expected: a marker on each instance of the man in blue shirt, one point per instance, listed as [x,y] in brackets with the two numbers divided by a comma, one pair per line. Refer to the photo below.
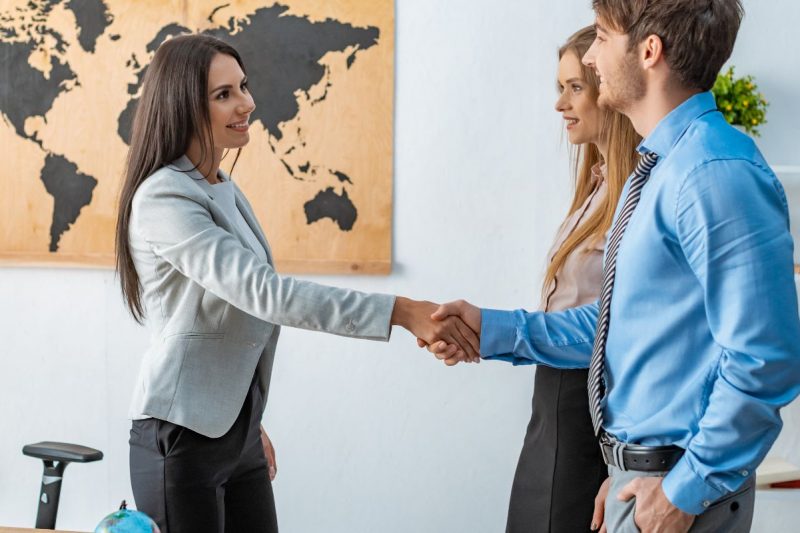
[701,350]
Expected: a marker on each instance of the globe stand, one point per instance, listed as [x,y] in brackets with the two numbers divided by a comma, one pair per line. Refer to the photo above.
[56,456]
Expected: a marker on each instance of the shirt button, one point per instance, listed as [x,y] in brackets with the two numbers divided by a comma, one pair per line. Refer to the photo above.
[706,503]
[745,473]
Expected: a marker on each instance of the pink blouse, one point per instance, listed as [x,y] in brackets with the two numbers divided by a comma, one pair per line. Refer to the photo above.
[579,279]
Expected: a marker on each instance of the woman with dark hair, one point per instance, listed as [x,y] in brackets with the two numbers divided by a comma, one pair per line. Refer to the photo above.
[192,257]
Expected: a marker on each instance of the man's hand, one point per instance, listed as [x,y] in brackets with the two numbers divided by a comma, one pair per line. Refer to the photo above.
[465,311]
[598,517]
[460,340]
[269,451]
[654,513]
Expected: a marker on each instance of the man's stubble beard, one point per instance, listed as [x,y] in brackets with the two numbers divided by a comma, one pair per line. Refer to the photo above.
[628,87]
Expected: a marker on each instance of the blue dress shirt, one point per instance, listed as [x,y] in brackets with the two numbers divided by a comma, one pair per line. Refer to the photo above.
[703,345]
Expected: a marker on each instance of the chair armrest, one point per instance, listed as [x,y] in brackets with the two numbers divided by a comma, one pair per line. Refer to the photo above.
[62,451]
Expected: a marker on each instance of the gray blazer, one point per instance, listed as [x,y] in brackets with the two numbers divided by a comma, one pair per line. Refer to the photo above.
[214,309]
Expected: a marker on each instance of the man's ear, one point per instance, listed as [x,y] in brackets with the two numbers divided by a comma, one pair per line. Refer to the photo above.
[651,51]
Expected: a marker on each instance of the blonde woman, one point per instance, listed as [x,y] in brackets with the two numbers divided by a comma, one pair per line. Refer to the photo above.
[560,468]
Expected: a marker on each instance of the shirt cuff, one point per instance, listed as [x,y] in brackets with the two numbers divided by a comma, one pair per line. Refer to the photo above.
[498,332]
[688,491]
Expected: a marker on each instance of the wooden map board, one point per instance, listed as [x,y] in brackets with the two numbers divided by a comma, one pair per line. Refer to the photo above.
[320,148]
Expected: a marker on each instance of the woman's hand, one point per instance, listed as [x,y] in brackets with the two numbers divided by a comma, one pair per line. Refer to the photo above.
[269,451]
[598,517]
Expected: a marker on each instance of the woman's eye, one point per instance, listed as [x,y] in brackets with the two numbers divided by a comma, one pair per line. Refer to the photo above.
[577,88]
[222,95]
[244,86]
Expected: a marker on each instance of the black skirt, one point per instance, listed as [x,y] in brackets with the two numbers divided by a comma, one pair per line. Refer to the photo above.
[560,468]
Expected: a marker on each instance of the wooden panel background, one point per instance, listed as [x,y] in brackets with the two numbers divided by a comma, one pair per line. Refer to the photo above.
[350,131]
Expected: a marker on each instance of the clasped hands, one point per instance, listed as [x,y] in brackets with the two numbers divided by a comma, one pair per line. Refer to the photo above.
[451,331]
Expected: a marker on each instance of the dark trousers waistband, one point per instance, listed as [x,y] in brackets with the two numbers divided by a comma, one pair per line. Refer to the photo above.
[637,457]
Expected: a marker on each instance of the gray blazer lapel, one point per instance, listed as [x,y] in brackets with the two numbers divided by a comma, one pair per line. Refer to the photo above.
[184,164]
[250,218]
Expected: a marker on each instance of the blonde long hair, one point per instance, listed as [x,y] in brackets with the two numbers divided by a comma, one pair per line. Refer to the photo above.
[621,139]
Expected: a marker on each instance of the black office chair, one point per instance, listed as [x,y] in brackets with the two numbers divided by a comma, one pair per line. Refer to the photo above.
[56,457]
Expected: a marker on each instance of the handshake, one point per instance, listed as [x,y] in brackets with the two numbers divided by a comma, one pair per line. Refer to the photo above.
[451,331]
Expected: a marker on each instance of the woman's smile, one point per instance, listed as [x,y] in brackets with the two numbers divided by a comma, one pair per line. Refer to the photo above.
[571,122]
[241,126]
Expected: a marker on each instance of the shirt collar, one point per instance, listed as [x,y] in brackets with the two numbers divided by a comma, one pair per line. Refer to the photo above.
[599,172]
[674,125]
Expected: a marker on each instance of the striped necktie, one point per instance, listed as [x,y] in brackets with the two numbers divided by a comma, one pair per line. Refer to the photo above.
[596,385]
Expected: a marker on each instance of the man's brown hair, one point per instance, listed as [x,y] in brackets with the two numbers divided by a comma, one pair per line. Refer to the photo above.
[697,35]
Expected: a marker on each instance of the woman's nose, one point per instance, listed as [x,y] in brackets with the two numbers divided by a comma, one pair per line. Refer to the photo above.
[247,106]
[562,104]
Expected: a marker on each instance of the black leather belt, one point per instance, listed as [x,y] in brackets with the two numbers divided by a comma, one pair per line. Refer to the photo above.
[636,457]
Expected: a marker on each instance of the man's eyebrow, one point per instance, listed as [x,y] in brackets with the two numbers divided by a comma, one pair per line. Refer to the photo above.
[599,27]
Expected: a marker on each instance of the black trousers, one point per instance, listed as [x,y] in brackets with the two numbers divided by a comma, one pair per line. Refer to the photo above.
[560,468]
[188,482]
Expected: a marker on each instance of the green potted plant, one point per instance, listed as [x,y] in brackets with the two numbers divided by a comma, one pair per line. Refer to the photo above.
[740,102]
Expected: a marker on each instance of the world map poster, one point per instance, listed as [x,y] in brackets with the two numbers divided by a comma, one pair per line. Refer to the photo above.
[317,170]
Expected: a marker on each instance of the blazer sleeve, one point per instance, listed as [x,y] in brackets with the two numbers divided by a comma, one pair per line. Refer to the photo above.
[172,217]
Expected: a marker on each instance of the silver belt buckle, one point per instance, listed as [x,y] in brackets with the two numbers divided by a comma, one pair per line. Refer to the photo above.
[614,456]
[605,443]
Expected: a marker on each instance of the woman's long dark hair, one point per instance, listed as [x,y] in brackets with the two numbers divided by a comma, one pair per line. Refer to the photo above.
[172,109]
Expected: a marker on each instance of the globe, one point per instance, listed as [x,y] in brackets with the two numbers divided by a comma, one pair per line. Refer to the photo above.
[127,521]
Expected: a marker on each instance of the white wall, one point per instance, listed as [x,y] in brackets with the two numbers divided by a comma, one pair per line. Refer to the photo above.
[374,437]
